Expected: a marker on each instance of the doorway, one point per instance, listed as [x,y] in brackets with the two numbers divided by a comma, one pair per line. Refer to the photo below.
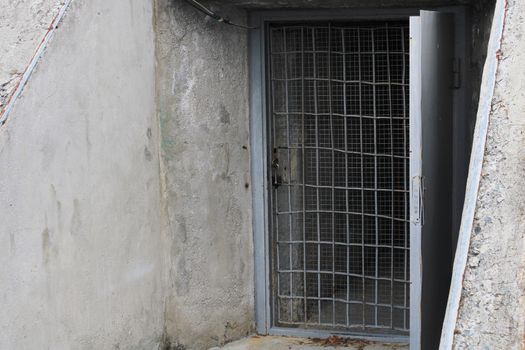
[353,117]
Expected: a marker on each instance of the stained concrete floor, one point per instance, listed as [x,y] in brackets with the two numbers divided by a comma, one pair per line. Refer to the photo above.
[288,343]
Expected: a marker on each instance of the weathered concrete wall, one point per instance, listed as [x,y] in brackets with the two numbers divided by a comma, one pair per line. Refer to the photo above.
[81,251]
[93,255]
[203,107]
[23,23]
[492,313]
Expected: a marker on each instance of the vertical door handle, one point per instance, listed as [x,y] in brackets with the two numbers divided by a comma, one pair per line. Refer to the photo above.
[417,213]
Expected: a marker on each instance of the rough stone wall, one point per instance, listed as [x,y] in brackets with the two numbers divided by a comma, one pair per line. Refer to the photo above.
[492,313]
[81,251]
[202,86]
[23,23]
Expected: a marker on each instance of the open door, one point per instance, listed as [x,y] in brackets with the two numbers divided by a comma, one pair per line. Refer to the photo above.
[431,110]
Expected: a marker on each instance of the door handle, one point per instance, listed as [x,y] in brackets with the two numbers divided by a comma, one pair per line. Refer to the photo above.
[418,188]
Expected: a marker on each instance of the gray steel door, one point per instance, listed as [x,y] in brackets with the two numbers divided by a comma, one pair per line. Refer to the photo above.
[339,148]
[432,52]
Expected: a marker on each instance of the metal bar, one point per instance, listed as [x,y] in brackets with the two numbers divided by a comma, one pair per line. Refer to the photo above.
[333,165]
[289,161]
[392,179]
[340,274]
[343,212]
[335,114]
[345,245]
[371,83]
[341,301]
[347,220]
[347,152]
[303,141]
[316,109]
[363,281]
[375,171]
[405,182]
[339,52]
[345,188]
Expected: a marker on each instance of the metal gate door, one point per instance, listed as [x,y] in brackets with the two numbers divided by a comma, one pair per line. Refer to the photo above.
[339,155]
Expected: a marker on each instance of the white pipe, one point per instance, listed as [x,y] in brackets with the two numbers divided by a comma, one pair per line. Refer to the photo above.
[474,176]
[34,61]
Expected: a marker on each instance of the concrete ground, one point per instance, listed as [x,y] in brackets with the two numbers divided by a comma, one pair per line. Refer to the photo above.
[288,343]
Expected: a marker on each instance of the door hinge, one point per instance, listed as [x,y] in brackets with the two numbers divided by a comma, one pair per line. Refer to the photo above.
[456,73]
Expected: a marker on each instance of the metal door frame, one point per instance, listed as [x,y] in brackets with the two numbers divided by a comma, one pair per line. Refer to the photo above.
[260,170]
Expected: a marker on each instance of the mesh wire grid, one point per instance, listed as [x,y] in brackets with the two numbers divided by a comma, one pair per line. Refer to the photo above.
[339,139]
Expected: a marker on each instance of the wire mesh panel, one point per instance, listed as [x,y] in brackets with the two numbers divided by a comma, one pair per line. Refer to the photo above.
[339,144]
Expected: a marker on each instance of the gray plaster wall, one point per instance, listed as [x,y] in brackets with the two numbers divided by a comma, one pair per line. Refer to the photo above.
[23,23]
[81,248]
[492,310]
[202,88]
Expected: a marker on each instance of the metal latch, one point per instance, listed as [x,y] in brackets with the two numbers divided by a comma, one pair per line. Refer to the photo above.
[418,188]
[277,179]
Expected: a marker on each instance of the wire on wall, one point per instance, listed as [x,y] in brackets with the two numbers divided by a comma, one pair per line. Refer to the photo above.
[214,15]
[4,113]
